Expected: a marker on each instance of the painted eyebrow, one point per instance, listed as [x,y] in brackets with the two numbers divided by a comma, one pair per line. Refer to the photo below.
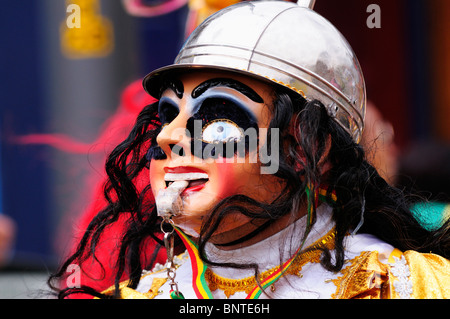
[238,86]
[175,85]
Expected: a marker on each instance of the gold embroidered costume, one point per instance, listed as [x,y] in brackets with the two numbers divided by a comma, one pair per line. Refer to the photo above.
[408,275]
[373,270]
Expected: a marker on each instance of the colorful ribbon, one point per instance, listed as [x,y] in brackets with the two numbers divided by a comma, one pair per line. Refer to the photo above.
[199,283]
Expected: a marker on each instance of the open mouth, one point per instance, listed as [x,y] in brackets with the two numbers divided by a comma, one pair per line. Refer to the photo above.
[196,180]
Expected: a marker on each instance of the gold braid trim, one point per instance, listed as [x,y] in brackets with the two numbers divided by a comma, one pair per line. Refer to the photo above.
[279,82]
[310,255]
[364,278]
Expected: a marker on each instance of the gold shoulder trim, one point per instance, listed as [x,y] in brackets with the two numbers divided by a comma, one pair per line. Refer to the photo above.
[429,275]
[407,275]
[364,278]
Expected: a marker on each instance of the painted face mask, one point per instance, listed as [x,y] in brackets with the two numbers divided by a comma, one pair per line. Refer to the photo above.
[213,131]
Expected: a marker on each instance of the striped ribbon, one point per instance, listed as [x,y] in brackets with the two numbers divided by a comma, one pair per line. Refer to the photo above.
[199,283]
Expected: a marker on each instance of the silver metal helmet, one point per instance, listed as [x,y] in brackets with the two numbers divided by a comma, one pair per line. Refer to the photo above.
[284,43]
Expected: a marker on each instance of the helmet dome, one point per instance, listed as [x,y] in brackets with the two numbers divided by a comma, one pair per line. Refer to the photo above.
[281,42]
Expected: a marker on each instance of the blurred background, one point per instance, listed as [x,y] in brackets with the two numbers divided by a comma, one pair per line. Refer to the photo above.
[62,87]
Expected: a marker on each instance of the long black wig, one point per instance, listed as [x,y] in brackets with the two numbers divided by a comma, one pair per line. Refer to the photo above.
[307,132]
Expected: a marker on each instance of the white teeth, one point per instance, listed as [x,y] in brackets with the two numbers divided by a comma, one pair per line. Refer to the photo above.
[169,177]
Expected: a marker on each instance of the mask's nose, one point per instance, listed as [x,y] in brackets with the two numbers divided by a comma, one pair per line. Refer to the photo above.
[173,138]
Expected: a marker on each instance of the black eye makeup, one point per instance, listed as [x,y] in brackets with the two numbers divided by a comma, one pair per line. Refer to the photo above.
[225,110]
[167,110]
[223,120]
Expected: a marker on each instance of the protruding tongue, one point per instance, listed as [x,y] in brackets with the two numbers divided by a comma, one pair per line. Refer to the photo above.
[168,201]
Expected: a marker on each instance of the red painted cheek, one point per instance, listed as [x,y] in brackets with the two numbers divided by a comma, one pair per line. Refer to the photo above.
[153,168]
[227,180]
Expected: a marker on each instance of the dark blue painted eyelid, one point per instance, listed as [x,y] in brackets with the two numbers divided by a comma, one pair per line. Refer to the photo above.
[169,103]
[225,96]
[167,100]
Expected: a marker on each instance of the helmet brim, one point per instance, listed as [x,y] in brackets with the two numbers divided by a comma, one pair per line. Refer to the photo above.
[154,81]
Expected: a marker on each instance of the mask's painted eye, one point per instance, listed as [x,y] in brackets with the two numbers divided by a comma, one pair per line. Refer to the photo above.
[167,111]
[222,131]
